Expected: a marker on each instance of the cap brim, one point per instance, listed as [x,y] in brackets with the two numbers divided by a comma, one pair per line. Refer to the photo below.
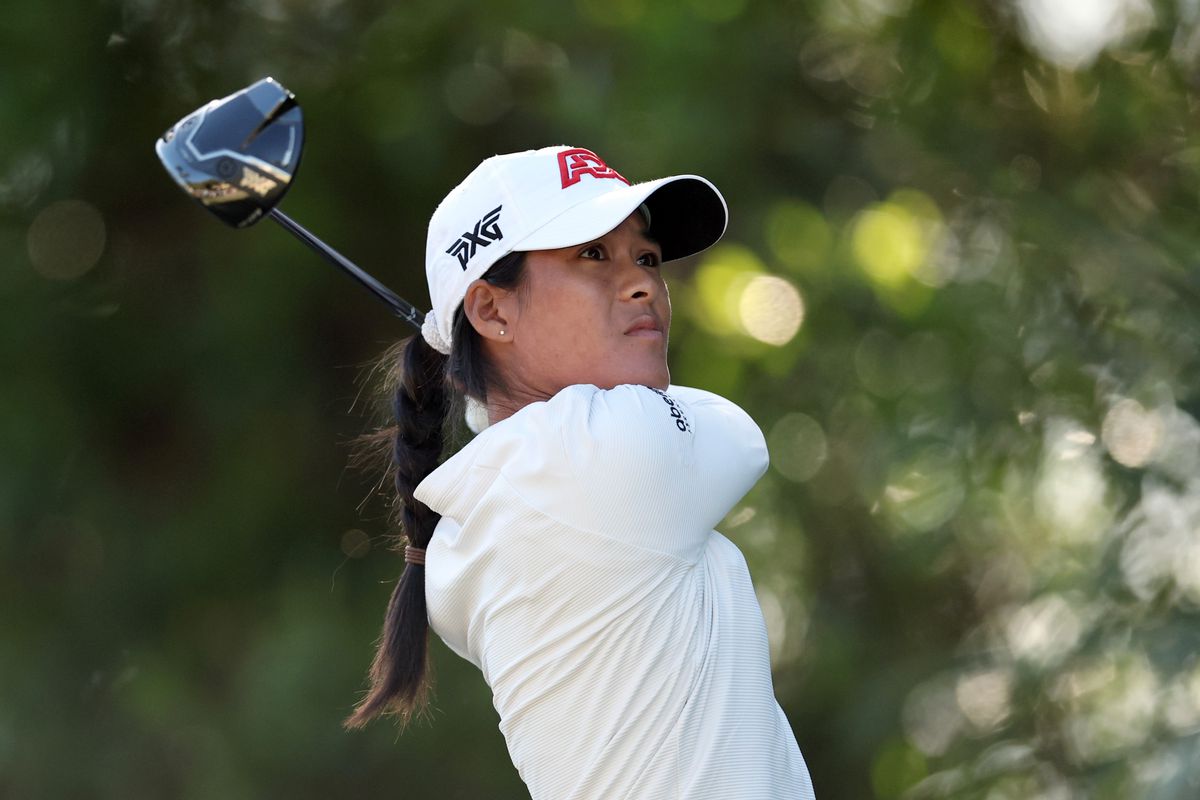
[687,215]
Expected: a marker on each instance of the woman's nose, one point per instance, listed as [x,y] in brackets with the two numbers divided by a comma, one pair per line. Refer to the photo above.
[638,282]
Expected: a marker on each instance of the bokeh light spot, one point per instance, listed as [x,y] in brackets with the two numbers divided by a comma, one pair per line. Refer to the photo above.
[719,282]
[775,620]
[798,446]
[771,309]
[1044,631]
[1131,433]
[522,50]
[891,240]
[355,543]
[27,177]
[985,697]
[1072,34]
[1111,706]
[931,718]
[987,249]
[1162,544]
[66,239]
[926,491]
[1181,703]
[1070,494]
[887,244]
[866,15]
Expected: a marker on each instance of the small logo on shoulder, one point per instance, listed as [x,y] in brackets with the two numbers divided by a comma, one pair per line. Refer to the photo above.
[681,420]
[487,230]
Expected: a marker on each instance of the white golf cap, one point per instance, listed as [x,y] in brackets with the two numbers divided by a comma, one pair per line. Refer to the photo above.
[543,199]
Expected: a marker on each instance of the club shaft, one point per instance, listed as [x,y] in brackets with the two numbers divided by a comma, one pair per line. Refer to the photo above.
[400,307]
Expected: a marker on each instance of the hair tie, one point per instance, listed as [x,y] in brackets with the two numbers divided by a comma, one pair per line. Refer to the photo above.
[429,330]
[414,555]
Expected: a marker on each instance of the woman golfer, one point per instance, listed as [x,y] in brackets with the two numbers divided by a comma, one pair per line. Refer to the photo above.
[568,550]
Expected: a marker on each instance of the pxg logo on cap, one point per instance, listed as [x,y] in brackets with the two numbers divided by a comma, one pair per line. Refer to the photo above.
[487,230]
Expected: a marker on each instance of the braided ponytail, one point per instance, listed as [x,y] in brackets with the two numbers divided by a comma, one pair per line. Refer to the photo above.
[424,383]
[398,683]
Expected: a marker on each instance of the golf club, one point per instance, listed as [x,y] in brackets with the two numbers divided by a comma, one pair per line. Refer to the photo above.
[236,156]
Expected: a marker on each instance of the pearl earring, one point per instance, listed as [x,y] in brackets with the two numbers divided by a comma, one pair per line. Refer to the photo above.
[501,333]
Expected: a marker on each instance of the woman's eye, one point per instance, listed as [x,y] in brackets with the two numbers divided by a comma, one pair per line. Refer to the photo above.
[649,260]
[594,251]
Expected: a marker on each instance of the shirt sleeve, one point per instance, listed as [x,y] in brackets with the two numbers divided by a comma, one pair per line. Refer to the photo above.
[651,468]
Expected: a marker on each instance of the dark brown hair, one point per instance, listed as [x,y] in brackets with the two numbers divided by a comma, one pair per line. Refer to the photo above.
[421,385]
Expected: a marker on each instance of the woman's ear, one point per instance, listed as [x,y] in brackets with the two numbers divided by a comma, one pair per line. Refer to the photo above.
[491,310]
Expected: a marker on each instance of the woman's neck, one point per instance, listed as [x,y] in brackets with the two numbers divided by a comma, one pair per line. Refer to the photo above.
[502,404]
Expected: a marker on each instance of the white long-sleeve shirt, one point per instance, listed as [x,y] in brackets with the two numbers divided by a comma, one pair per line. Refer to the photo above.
[576,565]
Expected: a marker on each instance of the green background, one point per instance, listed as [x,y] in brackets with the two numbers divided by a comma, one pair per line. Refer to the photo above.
[977,549]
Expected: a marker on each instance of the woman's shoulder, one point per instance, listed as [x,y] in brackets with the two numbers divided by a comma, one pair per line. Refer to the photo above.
[580,418]
[630,461]
[669,427]
[582,421]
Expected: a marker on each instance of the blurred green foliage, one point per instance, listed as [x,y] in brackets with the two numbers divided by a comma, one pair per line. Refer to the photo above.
[959,292]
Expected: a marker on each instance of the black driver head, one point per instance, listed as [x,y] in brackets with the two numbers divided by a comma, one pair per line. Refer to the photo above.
[236,156]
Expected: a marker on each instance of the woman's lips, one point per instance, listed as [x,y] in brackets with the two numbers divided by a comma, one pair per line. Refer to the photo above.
[645,326]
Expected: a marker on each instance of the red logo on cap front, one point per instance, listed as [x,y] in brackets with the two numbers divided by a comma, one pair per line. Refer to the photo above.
[574,164]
